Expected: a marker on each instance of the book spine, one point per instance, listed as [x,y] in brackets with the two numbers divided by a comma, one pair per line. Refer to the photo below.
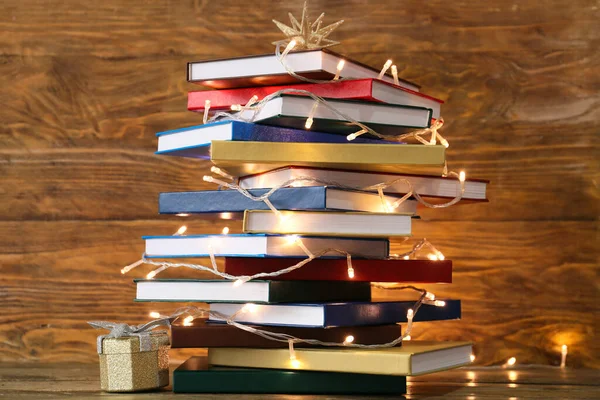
[318,291]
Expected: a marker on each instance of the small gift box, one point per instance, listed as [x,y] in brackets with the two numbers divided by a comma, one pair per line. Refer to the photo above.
[132,358]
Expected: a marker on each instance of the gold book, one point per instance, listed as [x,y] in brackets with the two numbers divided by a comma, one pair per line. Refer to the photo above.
[327,223]
[245,158]
[412,358]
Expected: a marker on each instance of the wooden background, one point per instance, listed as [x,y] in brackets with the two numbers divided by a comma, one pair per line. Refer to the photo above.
[86,85]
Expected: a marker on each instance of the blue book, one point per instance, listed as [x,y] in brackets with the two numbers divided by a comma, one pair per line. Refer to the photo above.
[261,245]
[289,198]
[327,315]
[194,141]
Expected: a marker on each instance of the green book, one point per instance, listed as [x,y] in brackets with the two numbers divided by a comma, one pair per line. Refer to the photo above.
[196,376]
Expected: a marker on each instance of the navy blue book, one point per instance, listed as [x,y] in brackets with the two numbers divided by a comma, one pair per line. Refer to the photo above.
[194,141]
[196,376]
[290,198]
[326,315]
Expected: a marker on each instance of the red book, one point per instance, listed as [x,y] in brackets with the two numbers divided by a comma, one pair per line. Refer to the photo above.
[324,269]
[359,89]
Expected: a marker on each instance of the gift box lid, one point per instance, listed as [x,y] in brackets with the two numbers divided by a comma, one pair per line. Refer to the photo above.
[131,344]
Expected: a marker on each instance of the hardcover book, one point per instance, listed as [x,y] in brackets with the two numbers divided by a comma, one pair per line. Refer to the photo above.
[196,376]
[202,334]
[292,111]
[246,245]
[245,158]
[374,90]
[328,223]
[291,198]
[194,141]
[267,69]
[410,359]
[185,290]
[414,271]
[428,186]
[337,314]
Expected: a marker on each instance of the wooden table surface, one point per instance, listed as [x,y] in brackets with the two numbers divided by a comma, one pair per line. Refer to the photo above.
[78,381]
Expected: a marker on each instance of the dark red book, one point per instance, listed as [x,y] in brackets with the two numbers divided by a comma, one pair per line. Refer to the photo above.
[415,271]
[358,89]
[202,334]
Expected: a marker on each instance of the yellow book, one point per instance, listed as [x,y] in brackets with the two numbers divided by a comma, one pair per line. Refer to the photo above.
[245,158]
[412,358]
[327,223]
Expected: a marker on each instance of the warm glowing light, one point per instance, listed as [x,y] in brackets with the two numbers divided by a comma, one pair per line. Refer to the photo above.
[154,314]
[472,357]
[432,257]
[462,176]
[430,296]
[309,122]
[249,308]
[206,109]
[151,275]
[349,339]
[406,257]
[295,363]
[440,256]
[180,231]
[238,283]
[288,48]
[339,69]
[511,361]
[187,321]
[225,230]
[351,136]
[183,215]
[444,142]
[291,239]
[512,376]
[132,266]
[386,66]
[350,272]
[563,355]
[439,303]
[236,107]
[410,314]
[395,75]
[407,337]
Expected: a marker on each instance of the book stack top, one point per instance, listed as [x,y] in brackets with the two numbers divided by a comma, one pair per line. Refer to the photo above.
[306,153]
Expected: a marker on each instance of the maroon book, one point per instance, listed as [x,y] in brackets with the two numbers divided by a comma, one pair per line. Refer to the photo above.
[202,334]
[414,271]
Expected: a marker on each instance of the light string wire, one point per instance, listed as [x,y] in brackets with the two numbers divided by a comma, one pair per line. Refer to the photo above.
[197,312]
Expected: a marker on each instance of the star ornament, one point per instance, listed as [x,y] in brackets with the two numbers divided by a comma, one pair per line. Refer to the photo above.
[308,35]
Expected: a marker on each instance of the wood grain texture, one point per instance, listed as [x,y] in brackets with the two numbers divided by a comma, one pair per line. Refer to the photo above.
[85,86]
[81,381]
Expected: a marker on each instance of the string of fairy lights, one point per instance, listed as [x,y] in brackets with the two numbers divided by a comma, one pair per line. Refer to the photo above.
[248,113]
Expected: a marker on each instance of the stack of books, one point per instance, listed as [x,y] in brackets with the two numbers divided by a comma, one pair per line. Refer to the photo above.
[318,173]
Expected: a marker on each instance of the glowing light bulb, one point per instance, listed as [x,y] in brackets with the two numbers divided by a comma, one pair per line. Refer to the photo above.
[151,275]
[238,283]
[236,107]
[309,122]
[432,257]
[512,376]
[472,357]
[351,137]
[249,308]
[291,239]
[350,272]
[430,296]
[183,215]
[406,257]
[439,303]
[511,361]
[132,266]
[462,176]
[444,142]
[187,321]
[563,355]
[407,337]
[295,363]
[154,314]
[207,178]
[440,256]
[339,69]
[180,231]
[225,230]
[349,339]
[288,48]
[387,65]
[410,314]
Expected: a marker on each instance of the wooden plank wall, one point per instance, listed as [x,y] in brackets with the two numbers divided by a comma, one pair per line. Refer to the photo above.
[85,86]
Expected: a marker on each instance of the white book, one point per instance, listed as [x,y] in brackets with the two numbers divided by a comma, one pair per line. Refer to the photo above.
[327,223]
[424,185]
[268,70]
[292,110]
[243,245]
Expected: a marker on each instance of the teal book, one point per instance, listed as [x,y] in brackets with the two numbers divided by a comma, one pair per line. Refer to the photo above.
[196,376]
